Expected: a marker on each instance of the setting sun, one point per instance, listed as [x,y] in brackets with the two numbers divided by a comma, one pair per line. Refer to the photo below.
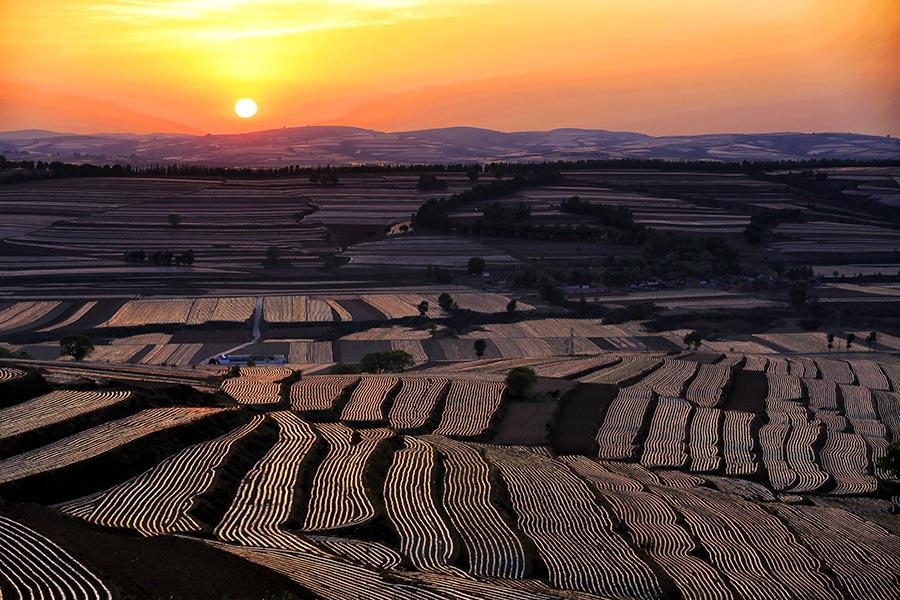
[245,108]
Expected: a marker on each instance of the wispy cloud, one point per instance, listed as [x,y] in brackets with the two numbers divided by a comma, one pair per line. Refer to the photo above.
[205,21]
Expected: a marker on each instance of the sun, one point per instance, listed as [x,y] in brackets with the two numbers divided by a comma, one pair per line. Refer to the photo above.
[245,108]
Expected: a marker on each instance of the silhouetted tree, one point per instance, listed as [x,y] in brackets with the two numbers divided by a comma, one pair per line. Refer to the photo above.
[480,346]
[446,302]
[511,306]
[423,307]
[830,338]
[392,361]
[693,339]
[520,382]
[174,219]
[850,339]
[476,266]
[77,346]
[871,340]
[273,255]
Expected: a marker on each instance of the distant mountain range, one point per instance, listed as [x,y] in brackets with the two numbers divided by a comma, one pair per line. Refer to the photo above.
[318,145]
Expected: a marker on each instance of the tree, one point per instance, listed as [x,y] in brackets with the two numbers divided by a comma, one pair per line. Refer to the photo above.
[797,295]
[511,306]
[392,361]
[871,340]
[890,462]
[423,307]
[693,339]
[77,346]
[850,339]
[273,255]
[446,302]
[778,266]
[830,339]
[476,265]
[520,382]
[473,175]
[174,219]
[480,347]
[428,181]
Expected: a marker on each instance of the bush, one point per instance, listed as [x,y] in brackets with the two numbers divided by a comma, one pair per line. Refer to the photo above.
[476,266]
[393,361]
[520,382]
[77,346]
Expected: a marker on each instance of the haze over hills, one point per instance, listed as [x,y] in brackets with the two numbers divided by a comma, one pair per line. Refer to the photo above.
[314,145]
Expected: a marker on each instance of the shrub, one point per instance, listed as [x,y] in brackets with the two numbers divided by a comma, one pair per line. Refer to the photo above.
[520,382]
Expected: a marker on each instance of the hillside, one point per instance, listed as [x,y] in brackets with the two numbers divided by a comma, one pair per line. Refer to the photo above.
[349,145]
[629,475]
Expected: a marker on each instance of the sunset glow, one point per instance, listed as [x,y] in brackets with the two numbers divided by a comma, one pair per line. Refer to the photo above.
[176,65]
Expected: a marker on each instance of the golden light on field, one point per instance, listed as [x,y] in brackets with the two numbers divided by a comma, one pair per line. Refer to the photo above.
[245,108]
[657,66]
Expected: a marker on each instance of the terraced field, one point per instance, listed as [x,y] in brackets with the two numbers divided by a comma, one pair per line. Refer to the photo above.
[392,486]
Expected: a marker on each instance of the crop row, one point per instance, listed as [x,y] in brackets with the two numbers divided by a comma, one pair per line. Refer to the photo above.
[8,374]
[424,536]
[319,393]
[34,567]
[55,407]
[159,500]
[416,402]
[367,401]
[573,533]
[470,407]
[709,385]
[97,440]
[338,496]
[265,497]
[670,379]
[246,390]
[493,548]
[22,314]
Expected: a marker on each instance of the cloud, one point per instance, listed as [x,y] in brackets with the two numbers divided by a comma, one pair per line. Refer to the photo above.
[187,22]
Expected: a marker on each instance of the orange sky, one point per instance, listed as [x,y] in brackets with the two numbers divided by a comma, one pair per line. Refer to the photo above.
[656,66]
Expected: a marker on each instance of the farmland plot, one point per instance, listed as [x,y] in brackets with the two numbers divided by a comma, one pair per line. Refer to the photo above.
[249,390]
[861,555]
[338,497]
[97,440]
[470,407]
[265,497]
[617,437]
[738,444]
[424,536]
[630,369]
[367,401]
[135,313]
[837,371]
[869,374]
[754,549]
[493,548]
[319,393]
[708,387]
[159,500]
[654,525]
[671,378]
[704,439]
[32,566]
[574,535]
[665,445]
[416,402]
[23,314]
[55,407]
